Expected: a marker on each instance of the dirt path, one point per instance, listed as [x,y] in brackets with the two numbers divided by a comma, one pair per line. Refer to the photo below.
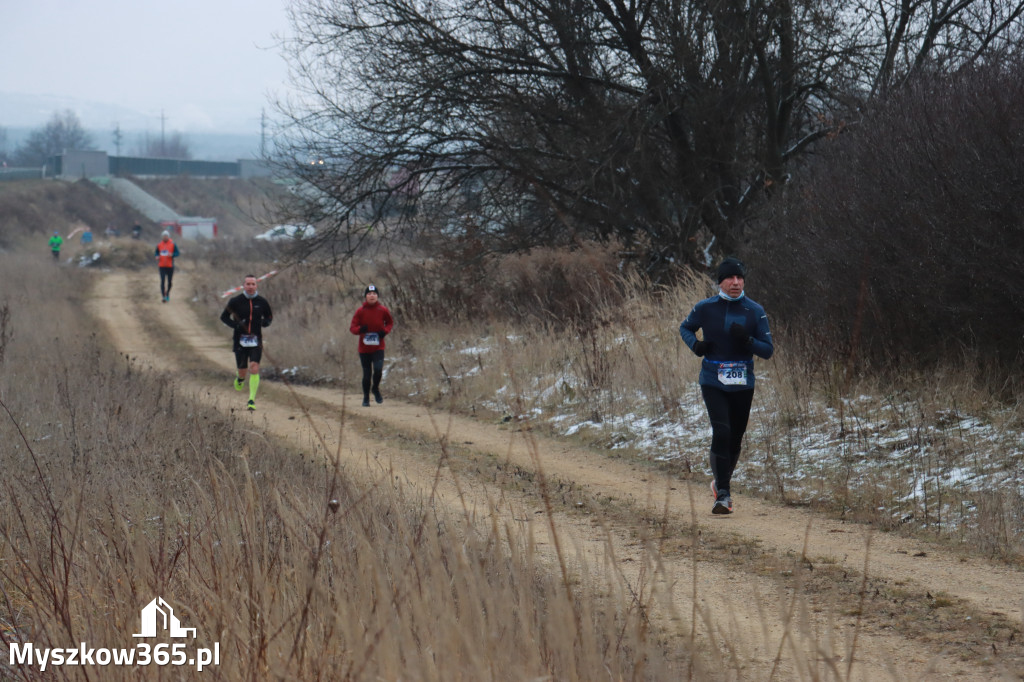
[740,598]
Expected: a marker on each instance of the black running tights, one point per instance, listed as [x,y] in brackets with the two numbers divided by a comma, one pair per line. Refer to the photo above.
[372,362]
[728,412]
[166,277]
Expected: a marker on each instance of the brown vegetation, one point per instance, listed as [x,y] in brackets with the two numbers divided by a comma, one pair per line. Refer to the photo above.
[572,335]
[903,243]
[35,209]
[900,457]
[119,489]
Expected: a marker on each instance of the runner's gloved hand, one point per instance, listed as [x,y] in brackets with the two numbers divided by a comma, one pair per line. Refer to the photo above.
[265,322]
[241,324]
[739,332]
[383,334]
[701,348]
[363,329]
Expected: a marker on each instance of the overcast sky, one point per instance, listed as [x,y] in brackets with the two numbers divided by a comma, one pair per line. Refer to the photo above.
[208,65]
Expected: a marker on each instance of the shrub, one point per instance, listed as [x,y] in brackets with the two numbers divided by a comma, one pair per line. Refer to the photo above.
[905,243]
[545,285]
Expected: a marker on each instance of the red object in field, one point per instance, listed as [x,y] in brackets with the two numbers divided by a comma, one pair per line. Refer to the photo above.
[191,228]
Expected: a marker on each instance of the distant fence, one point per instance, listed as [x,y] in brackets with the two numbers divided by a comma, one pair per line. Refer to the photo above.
[86,164]
[20,173]
[130,165]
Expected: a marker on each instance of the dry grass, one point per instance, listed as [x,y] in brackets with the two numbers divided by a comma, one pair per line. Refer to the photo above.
[117,490]
[898,452]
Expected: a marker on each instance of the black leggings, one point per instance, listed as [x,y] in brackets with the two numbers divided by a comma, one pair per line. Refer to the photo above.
[372,362]
[166,275]
[243,356]
[728,412]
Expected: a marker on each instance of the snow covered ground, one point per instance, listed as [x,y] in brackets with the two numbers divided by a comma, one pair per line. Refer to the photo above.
[893,459]
[913,463]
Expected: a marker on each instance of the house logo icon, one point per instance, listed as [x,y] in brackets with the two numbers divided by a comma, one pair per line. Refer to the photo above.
[159,614]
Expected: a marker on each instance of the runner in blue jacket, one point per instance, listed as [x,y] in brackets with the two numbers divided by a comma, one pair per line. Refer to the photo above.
[735,329]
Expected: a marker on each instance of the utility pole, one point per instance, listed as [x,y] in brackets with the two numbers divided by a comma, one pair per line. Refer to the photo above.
[117,138]
[163,143]
[263,134]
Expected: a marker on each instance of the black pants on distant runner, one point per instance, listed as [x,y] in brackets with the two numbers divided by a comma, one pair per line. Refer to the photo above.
[243,356]
[166,277]
[728,412]
[373,369]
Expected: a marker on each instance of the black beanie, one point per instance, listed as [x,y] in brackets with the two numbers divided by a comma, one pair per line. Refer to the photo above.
[369,289]
[731,266]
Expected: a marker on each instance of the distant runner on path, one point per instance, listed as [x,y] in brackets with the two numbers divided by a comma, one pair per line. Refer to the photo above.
[372,322]
[248,313]
[735,329]
[55,243]
[166,251]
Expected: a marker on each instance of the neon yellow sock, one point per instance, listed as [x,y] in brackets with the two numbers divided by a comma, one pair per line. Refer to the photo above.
[254,384]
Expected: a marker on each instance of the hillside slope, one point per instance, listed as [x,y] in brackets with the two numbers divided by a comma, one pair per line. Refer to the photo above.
[243,208]
[31,210]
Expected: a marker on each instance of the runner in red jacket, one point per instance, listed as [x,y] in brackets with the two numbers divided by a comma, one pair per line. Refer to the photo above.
[372,322]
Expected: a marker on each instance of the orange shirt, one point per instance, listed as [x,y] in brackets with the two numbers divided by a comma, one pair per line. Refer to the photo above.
[165,253]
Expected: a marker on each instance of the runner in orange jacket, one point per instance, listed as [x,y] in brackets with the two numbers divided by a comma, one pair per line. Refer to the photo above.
[166,251]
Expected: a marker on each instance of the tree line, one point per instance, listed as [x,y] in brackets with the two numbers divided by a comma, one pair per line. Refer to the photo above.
[64,131]
[681,130]
[663,124]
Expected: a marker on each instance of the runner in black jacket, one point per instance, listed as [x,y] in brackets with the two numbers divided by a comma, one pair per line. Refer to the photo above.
[248,313]
[735,329]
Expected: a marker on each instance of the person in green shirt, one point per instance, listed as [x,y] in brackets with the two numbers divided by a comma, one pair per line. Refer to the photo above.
[55,242]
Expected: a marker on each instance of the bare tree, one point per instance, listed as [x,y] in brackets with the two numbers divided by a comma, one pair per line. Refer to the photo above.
[660,123]
[62,132]
[940,36]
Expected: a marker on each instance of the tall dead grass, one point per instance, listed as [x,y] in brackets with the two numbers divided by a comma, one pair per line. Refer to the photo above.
[117,490]
[897,451]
